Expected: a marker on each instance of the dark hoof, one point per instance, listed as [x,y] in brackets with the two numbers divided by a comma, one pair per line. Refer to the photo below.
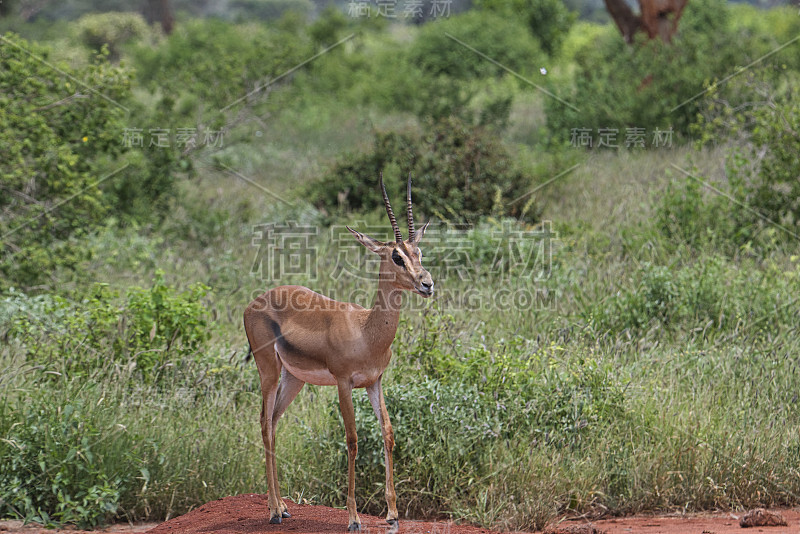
[275,520]
[394,526]
[285,514]
[354,527]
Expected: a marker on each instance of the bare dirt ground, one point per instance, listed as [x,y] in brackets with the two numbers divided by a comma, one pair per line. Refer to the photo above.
[717,523]
[247,514]
[18,527]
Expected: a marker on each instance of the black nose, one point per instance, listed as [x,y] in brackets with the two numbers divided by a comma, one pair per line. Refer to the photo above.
[427,285]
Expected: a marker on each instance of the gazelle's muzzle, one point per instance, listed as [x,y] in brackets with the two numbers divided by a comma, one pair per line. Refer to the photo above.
[425,287]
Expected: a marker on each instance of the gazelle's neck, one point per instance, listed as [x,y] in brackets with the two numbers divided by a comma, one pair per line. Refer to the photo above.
[384,316]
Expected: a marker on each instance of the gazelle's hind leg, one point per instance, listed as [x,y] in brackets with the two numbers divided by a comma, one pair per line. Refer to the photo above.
[288,389]
[269,371]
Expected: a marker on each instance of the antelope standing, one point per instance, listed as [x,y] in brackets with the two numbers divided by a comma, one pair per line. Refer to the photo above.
[299,336]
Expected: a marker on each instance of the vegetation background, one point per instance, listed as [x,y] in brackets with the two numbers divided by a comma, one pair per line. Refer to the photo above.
[614,244]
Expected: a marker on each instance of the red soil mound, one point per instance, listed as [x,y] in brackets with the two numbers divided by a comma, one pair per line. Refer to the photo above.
[247,514]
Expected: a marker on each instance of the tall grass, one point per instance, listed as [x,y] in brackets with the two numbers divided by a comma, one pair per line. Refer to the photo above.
[670,389]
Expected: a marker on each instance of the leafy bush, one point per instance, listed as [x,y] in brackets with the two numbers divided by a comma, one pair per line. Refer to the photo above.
[52,471]
[502,39]
[216,63]
[57,139]
[453,76]
[711,295]
[690,215]
[767,29]
[550,399]
[759,120]
[460,172]
[776,192]
[144,191]
[155,327]
[89,451]
[649,84]
[326,30]
[111,30]
[549,21]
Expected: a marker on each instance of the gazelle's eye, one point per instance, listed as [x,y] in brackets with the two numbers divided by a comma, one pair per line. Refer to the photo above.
[397,259]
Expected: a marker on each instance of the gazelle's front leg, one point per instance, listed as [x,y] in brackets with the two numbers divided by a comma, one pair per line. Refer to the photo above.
[375,394]
[349,417]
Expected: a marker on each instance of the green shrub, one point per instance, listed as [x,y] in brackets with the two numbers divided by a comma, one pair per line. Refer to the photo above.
[689,214]
[328,27]
[86,452]
[453,76]
[154,329]
[52,470]
[767,29]
[217,63]
[111,30]
[776,192]
[710,295]
[144,191]
[555,401]
[583,34]
[649,84]
[163,319]
[461,173]
[758,118]
[500,38]
[58,141]
[549,21]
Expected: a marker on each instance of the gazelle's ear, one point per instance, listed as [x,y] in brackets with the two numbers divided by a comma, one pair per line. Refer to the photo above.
[371,243]
[419,233]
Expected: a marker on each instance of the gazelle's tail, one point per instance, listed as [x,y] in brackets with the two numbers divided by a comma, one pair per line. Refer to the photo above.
[249,346]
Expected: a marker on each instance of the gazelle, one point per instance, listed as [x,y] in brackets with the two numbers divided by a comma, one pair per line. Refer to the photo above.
[299,336]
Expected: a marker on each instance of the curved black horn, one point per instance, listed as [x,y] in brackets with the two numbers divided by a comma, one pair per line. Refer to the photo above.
[397,235]
[410,215]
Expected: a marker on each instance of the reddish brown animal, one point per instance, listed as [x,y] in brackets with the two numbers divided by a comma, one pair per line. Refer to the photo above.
[298,336]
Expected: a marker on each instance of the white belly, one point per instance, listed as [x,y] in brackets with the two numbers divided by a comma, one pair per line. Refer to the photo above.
[318,377]
[323,377]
